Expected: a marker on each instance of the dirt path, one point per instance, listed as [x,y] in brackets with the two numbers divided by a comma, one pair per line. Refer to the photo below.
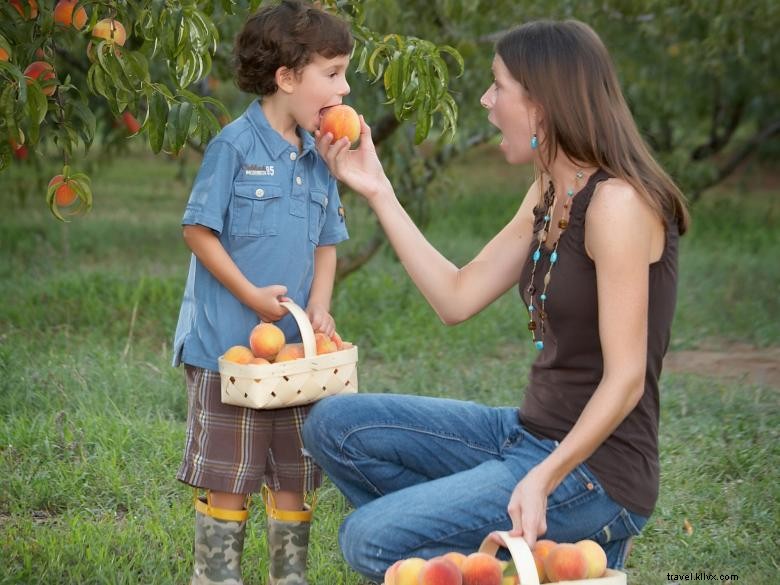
[739,362]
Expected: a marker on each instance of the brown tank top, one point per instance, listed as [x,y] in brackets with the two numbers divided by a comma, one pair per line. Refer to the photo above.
[569,368]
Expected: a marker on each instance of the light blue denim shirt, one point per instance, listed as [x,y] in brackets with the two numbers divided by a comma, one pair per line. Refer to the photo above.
[271,206]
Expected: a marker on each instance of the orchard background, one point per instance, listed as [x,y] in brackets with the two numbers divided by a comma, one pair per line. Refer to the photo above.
[114,113]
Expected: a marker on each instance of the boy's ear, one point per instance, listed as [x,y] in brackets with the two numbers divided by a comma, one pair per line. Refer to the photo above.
[285,79]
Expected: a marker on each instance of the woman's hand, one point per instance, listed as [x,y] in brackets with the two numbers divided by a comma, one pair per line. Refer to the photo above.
[359,168]
[528,507]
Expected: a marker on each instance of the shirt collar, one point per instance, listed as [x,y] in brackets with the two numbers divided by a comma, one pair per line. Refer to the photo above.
[271,139]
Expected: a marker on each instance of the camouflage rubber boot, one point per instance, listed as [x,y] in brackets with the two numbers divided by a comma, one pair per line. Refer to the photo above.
[219,544]
[288,544]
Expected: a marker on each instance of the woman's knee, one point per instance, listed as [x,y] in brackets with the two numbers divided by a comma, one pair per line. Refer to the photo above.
[360,539]
[321,425]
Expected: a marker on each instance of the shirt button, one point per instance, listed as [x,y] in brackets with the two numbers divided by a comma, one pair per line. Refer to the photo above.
[298,180]
[293,156]
[259,192]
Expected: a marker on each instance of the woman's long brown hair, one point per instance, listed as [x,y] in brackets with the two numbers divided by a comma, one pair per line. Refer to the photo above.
[568,72]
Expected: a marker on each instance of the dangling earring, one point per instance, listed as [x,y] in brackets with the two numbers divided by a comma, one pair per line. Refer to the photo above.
[534,141]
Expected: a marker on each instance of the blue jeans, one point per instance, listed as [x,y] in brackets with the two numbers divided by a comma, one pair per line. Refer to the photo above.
[430,475]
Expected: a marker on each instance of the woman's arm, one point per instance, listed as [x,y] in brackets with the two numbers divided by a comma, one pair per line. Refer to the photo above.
[207,248]
[620,233]
[454,293]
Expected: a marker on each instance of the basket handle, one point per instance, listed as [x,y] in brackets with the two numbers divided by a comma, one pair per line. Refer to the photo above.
[307,333]
[521,555]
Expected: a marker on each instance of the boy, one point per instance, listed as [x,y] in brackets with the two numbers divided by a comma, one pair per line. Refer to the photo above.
[262,222]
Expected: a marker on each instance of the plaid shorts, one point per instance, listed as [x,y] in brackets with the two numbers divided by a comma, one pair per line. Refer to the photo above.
[234,449]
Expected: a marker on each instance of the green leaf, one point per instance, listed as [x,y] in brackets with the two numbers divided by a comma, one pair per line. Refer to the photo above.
[455,55]
[158,117]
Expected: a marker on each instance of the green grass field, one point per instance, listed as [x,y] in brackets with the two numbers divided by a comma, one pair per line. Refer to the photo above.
[92,415]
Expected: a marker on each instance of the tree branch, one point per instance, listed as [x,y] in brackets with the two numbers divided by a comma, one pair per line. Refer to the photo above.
[346,265]
[742,154]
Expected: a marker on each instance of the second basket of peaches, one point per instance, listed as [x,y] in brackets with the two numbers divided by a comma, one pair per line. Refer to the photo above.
[268,372]
[582,562]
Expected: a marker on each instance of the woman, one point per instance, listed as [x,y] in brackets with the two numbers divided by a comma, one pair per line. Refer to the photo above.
[593,251]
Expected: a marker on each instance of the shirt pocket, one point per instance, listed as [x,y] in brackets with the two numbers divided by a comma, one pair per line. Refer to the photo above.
[255,209]
[318,203]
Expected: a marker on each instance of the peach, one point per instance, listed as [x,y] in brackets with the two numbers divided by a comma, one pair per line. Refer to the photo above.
[391,572]
[508,579]
[4,56]
[111,30]
[44,73]
[266,339]
[408,572]
[291,351]
[456,557]
[31,8]
[341,121]
[67,13]
[541,549]
[481,569]
[259,361]
[239,354]
[131,123]
[566,562]
[440,571]
[324,344]
[595,557]
[64,194]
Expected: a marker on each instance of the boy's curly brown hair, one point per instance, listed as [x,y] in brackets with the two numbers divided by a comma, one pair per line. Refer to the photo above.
[286,35]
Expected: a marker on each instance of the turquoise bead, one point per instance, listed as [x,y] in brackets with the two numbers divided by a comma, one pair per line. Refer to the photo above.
[553,257]
[539,345]
[530,308]
[537,255]
[543,297]
[534,142]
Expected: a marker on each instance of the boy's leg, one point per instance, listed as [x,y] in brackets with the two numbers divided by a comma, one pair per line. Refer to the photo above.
[213,461]
[290,474]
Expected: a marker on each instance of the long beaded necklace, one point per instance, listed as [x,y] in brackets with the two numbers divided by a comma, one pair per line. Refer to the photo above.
[537,311]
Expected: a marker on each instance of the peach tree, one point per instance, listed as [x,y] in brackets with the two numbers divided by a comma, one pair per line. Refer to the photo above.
[77,74]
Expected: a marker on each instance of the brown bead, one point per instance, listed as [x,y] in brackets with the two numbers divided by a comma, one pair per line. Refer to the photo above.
[563,224]
[532,326]
[531,289]
[542,315]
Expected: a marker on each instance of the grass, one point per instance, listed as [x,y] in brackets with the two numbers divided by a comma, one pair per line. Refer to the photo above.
[92,415]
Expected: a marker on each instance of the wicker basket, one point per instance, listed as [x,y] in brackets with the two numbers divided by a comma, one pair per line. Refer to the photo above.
[526,568]
[291,383]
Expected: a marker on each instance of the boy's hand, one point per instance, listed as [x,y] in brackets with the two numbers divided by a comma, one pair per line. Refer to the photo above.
[321,320]
[265,302]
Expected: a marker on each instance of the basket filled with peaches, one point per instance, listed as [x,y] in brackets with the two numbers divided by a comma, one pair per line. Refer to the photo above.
[580,563]
[271,373]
